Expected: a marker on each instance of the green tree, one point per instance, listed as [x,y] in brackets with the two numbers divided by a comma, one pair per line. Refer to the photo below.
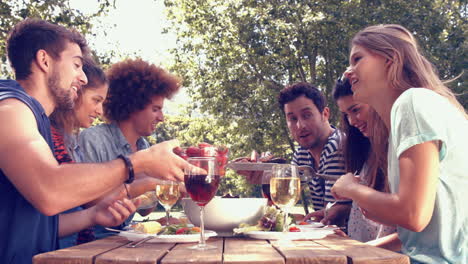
[235,55]
[55,11]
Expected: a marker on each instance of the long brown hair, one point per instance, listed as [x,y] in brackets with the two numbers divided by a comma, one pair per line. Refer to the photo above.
[358,149]
[409,67]
[66,119]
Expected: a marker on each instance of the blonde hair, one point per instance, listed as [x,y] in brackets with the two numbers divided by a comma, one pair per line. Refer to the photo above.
[409,67]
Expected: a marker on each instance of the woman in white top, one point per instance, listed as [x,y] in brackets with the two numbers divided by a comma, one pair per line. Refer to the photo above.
[428,140]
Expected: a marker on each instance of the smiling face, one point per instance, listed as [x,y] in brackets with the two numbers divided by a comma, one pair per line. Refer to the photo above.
[144,121]
[367,74]
[67,76]
[90,105]
[356,113]
[306,124]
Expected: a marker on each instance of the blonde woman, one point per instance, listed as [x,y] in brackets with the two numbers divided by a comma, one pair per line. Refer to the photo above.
[428,139]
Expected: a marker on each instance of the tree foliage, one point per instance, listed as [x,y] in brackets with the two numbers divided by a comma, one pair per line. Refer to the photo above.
[236,55]
[55,11]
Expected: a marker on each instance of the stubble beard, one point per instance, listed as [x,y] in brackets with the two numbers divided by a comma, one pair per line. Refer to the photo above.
[63,98]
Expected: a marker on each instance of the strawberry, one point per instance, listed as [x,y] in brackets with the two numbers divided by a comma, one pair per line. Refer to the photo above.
[294,229]
[222,150]
[193,152]
[180,152]
[182,230]
[204,145]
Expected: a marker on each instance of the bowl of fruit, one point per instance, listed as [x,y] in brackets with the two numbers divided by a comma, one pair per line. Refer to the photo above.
[206,150]
[224,214]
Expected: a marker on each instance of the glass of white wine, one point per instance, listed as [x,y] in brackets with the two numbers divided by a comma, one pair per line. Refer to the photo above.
[168,193]
[285,189]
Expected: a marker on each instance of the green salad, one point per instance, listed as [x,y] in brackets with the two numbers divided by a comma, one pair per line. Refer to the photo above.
[272,220]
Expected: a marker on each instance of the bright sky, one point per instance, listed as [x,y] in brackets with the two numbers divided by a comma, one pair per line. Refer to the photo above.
[137,32]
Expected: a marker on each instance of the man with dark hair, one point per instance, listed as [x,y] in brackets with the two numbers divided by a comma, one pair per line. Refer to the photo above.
[133,107]
[34,188]
[319,145]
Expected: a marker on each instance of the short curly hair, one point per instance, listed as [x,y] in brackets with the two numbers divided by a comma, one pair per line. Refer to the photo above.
[133,84]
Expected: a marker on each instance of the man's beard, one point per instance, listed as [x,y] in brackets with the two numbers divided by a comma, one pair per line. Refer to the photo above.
[63,98]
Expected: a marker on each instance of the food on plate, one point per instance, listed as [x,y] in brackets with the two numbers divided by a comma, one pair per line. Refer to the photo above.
[150,227]
[181,229]
[294,229]
[254,157]
[272,220]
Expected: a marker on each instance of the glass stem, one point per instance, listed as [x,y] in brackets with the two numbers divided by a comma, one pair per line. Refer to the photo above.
[285,224]
[167,216]
[202,227]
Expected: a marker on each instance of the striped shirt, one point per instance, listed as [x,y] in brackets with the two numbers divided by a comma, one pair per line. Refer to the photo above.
[331,163]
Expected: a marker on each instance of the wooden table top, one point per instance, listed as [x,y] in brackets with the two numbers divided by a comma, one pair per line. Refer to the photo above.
[233,250]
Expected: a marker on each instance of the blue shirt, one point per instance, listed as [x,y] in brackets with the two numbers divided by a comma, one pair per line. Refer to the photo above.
[420,115]
[24,231]
[103,143]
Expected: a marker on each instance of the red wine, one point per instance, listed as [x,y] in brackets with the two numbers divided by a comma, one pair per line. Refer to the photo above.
[200,189]
[266,192]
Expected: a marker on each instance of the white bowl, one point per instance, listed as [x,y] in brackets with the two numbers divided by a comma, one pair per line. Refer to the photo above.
[225,214]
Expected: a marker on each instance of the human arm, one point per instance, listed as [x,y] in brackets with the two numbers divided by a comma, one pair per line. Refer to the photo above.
[109,212]
[29,164]
[335,215]
[390,242]
[141,185]
[412,205]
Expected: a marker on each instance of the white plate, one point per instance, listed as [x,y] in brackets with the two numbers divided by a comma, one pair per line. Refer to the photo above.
[133,236]
[317,233]
[310,224]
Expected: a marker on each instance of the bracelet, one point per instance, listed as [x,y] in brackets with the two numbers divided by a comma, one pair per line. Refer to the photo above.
[129,165]
[126,189]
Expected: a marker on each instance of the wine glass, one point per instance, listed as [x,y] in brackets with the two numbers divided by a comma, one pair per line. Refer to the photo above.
[285,189]
[266,186]
[201,182]
[149,201]
[168,194]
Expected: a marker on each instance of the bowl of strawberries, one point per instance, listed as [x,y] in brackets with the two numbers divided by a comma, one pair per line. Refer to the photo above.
[207,150]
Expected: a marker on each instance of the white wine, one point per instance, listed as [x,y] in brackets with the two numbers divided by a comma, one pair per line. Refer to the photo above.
[168,194]
[285,192]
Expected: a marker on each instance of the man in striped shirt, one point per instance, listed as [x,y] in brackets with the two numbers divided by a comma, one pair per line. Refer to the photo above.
[307,118]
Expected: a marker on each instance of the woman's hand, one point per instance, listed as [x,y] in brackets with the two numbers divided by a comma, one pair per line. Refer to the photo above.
[344,185]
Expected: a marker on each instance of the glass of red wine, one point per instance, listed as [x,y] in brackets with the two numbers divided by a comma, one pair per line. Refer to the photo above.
[201,182]
[266,186]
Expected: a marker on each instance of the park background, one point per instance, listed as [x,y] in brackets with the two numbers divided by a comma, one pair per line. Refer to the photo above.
[234,56]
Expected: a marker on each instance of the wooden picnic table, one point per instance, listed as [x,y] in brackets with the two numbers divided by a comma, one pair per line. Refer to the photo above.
[234,250]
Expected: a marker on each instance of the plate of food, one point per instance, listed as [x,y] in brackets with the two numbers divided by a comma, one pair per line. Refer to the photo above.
[180,233]
[270,226]
[255,163]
